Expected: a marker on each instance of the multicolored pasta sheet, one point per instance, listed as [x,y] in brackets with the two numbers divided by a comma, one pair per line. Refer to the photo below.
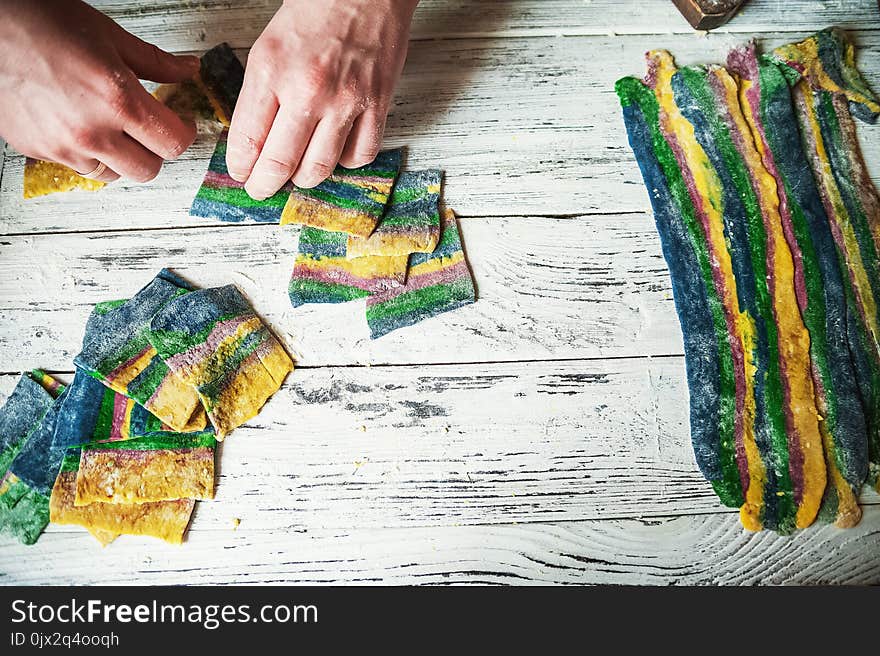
[128,455]
[220,77]
[212,340]
[436,282]
[24,512]
[161,467]
[166,520]
[117,351]
[25,407]
[187,99]
[827,62]
[820,287]
[42,178]
[826,97]
[37,462]
[323,273]
[92,412]
[223,199]
[411,224]
[350,200]
[776,415]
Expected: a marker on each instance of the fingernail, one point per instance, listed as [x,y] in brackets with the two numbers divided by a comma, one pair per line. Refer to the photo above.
[302,182]
[258,193]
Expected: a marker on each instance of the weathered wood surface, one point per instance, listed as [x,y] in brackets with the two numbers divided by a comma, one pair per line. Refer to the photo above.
[521,126]
[540,435]
[706,549]
[183,24]
[594,286]
[463,444]
[400,446]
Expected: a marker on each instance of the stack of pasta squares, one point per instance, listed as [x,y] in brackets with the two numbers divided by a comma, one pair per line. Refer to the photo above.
[129,446]
[369,233]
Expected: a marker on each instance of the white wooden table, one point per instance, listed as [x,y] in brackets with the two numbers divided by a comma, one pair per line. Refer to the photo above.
[539,436]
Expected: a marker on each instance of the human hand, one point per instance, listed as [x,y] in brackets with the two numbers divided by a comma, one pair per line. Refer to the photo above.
[69,91]
[316,91]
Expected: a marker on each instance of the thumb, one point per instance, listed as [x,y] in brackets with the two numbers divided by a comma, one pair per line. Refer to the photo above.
[149,62]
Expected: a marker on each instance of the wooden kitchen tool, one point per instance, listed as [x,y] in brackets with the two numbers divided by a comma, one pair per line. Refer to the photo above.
[708,14]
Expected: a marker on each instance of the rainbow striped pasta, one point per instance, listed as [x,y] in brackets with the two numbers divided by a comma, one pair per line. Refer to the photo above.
[827,90]
[323,273]
[117,351]
[436,282]
[128,455]
[819,286]
[166,520]
[411,223]
[160,467]
[350,200]
[93,412]
[24,512]
[223,199]
[210,94]
[748,212]
[737,427]
[220,77]
[827,61]
[212,340]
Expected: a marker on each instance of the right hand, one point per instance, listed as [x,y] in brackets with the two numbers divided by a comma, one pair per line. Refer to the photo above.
[69,91]
[316,91]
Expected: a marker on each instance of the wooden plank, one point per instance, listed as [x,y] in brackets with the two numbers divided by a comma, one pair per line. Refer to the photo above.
[521,126]
[468,444]
[580,287]
[371,447]
[701,550]
[2,159]
[184,25]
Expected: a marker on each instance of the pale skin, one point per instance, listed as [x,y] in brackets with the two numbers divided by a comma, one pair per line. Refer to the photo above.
[317,89]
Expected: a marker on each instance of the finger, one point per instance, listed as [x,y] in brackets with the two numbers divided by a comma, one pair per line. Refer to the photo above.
[130,159]
[105,174]
[81,161]
[252,119]
[323,152]
[365,140]
[156,126]
[109,175]
[150,62]
[84,165]
[281,154]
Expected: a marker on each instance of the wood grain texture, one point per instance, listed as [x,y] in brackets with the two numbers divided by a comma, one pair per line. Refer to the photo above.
[473,444]
[403,446]
[700,550]
[521,126]
[593,286]
[184,25]
[538,436]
